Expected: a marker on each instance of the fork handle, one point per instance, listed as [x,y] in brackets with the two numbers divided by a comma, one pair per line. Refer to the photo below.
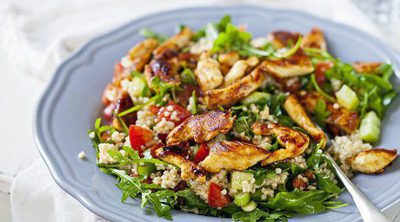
[368,211]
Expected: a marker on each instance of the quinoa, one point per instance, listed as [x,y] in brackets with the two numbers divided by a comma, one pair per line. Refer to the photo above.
[169,178]
[299,161]
[344,147]
[145,118]
[164,126]
[104,157]
[201,189]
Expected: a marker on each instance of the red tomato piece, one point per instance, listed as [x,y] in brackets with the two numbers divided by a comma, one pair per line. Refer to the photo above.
[139,136]
[154,109]
[216,198]
[167,111]
[201,153]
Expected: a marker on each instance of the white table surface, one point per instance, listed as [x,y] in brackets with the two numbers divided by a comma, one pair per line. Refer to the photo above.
[18,95]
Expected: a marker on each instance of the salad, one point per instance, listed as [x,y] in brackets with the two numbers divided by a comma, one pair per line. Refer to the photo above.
[219,123]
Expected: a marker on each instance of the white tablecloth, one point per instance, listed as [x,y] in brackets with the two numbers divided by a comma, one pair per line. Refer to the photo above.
[35,37]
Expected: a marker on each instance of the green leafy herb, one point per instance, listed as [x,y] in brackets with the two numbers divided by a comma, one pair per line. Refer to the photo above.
[325,183]
[161,89]
[148,33]
[275,104]
[316,86]
[231,39]
[303,202]
[191,200]
[320,112]
[131,157]
[258,215]
[187,76]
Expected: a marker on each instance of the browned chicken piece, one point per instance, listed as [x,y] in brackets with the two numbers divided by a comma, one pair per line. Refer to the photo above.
[228,58]
[298,64]
[366,67]
[201,128]
[208,73]
[236,91]
[372,161]
[175,155]
[171,47]
[232,155]
[295,142]
[282,39]
[339,117]
[237,71]
[141,53]
[166,70]
[314,39]
[299,115]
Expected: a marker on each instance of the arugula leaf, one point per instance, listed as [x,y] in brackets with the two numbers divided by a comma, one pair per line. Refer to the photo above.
[231,39]
[258,215]
[187,76]
[319,90]
[303,202]
[191,200]
[148,33]
[243,124]
[324,182]
[161,89]
[260,174]
[320,112]
[132,157]
[162,201]
[275,104]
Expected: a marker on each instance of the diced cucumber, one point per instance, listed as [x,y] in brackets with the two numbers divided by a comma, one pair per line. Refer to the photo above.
[347,98]
[238,177]
[146,169]
[370,133]
[257,98]
[370,127]
[241,199]
[249,206]
[140,86]
[371,118]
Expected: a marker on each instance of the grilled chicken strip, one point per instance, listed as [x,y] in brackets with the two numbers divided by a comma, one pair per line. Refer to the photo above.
[366,67]
[282,39]
[236,91]
[298,64]
[232,155]
[140,54]
[171,47]
[295,142]
[201,128]
[372,161]
[297,113]
[236,72]
[175,155]
[341,117]
[314,39]
[208,73]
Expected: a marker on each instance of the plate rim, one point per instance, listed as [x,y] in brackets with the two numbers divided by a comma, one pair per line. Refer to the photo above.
[53,87]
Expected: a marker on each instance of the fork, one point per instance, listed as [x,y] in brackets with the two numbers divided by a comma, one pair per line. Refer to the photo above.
[368,211]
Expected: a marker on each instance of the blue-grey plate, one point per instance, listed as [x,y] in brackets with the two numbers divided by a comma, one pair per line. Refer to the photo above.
[71,103]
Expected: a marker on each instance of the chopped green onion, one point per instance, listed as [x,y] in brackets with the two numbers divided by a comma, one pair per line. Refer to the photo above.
[237,178]
[193,102]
